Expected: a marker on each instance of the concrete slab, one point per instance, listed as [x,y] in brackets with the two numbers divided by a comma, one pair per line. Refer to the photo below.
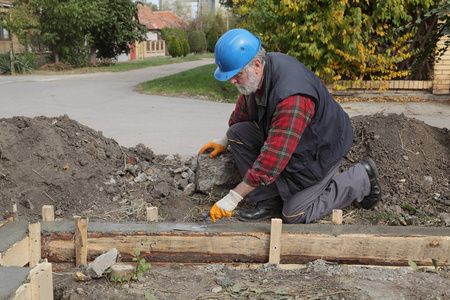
[11,233]
[11,278]
[222,227]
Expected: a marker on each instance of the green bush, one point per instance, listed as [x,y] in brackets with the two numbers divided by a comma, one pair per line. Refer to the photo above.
[167,33]
[197,41]
[185,47]
[23,63]
[174,47]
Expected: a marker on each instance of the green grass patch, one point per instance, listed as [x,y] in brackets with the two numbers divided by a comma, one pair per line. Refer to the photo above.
[198,83]
[129,65]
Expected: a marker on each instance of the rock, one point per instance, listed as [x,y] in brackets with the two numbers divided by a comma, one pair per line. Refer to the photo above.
[428,179]
[445,217]
[216,289]
[96,268]
[218,174]
[189,189]
[27,203]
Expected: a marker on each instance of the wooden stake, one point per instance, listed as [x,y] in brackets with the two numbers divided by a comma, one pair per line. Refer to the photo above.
[80,240]
[14,211]
[337,216]
[48,213]
[35,243]
[41,282]
[152,214]
[275,241]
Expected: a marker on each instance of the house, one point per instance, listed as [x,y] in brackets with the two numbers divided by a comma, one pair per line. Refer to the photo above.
[6,39]
[154,21]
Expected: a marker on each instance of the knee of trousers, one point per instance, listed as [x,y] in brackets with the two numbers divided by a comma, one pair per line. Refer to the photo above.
[293,219]
[238,130]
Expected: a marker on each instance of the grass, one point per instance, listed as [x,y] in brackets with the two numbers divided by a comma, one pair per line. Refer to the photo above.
[129,65]
[198,82]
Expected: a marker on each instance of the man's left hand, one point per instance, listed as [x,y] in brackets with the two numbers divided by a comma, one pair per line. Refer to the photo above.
[225,206]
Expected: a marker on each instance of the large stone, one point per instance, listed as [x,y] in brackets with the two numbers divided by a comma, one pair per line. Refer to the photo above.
[102,263]
[216,174]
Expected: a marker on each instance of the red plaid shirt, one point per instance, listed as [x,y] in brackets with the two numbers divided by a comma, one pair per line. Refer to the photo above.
[289,120]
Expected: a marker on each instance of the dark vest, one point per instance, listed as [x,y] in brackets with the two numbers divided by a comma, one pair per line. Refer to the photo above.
[327,138]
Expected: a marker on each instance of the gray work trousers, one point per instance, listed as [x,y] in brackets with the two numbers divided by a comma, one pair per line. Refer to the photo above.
[313,203]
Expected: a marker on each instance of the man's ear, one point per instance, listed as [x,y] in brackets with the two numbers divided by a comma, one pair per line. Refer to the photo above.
[258,66]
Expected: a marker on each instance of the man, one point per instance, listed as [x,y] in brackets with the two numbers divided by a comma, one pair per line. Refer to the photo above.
[288,137]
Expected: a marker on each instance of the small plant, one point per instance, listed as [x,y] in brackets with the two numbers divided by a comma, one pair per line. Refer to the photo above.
[413,265]
[141,267]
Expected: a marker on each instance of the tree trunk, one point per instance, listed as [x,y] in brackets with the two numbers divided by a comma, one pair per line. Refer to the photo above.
[56,55]
[11,56]
[93,55]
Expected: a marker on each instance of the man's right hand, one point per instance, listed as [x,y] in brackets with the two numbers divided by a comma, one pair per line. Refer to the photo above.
[218,146]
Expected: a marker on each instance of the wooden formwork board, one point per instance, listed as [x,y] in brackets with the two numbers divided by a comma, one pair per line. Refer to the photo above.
[238,242]
[20,244]
[14,244]
[23,283]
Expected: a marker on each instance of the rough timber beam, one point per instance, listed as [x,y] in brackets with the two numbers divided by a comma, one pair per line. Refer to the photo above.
[239,242]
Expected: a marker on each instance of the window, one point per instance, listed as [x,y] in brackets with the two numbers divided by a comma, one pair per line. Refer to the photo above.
[4,34]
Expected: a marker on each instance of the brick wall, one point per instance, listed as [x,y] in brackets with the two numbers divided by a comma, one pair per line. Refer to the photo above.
[441,82]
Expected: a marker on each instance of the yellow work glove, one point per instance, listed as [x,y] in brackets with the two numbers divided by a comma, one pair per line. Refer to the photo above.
[225,206]
[219,145]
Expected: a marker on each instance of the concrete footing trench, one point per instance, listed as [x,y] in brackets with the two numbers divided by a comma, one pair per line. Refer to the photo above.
[29,252]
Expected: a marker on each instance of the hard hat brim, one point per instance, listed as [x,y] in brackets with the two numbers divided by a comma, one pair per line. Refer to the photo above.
[224,76]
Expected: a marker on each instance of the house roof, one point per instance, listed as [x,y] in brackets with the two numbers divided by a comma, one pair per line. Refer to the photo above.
[158,20]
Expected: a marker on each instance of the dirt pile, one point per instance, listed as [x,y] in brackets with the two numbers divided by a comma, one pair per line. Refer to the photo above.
[61,162]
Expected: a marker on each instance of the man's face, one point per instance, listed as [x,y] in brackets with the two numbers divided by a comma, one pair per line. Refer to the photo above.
[246,82]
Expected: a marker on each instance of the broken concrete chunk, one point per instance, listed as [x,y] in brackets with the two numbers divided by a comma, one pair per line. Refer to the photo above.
[216,174]
[96,268]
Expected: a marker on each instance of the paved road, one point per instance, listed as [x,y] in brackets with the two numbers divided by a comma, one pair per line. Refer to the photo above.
[106,102]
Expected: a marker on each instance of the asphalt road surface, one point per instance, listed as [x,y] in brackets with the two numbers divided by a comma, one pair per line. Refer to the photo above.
[106,102]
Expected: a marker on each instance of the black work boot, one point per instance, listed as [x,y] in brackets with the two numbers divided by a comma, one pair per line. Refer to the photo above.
[375,188]
[270,208]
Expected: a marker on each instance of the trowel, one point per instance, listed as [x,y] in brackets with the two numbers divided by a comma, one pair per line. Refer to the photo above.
[197,227]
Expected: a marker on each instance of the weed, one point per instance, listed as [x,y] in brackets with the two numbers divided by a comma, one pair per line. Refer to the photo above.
[141,267]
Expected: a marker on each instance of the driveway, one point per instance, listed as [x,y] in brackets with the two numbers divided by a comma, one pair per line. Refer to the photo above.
[106,102]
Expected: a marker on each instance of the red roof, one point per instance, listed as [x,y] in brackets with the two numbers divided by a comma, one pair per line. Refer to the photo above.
[7,2]
[160,19]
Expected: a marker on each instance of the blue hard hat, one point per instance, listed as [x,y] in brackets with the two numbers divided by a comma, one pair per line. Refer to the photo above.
[233,51]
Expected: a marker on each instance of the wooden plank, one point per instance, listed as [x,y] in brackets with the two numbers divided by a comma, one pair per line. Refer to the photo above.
[80,240]
[41,282]
[7,221]
[35,243]
[17,255]
[152,214]
[14,211]
[23,292]
[337,216]
[226,247]
[275,241]
[48,213]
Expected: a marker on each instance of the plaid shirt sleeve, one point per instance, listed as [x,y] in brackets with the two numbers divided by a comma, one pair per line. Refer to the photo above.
[240,113]
[288,123]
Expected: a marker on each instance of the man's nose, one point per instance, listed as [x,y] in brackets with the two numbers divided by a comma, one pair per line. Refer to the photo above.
[233,80]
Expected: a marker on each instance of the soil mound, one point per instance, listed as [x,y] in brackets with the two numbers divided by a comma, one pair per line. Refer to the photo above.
[60,162]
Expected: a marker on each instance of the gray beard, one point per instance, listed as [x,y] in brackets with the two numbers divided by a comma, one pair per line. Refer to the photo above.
[250,87]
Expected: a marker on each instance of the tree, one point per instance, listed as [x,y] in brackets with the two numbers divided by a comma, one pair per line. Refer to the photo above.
[63,24]
[197,41]
[174,47]
[336,38]
[185,47]
[115,28]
